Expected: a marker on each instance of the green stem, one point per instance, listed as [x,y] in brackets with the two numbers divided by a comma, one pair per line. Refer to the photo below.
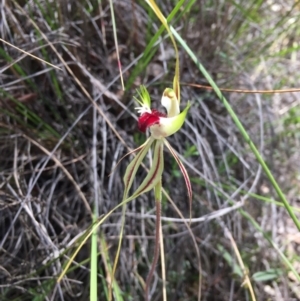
[94,260]
[118,249]
[157,193]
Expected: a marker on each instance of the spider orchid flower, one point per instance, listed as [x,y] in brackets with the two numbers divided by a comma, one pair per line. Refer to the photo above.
[160,125]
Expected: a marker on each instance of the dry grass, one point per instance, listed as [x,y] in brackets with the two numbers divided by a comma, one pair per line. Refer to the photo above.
[47,129]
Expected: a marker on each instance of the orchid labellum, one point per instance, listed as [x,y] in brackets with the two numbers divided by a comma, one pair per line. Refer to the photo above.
[160,124]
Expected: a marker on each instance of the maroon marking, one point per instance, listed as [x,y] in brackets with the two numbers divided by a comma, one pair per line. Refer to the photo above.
[148,119]
[155,172]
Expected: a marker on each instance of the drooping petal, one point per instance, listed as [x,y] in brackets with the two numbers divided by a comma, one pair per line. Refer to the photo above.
[170,102]
[134,165]
[167,126]
[184,173]
[155,172]
[148,119]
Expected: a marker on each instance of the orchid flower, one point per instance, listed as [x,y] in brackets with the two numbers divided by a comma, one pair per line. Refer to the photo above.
[161,125]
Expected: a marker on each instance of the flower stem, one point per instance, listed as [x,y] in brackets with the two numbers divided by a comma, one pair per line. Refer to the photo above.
[157,192]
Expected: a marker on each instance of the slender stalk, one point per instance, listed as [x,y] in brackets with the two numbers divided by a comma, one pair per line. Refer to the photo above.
[118,250]
[157,192]
[163,263]
[94,239]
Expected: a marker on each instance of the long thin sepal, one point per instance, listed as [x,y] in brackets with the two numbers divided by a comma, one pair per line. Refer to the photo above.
[128,179]
[176,81]
[184,173]
[134,165]
[129,153]
[155,172]
[88,234]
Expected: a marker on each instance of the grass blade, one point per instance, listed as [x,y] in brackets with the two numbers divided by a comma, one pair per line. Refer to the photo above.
[241,128]
[116,40]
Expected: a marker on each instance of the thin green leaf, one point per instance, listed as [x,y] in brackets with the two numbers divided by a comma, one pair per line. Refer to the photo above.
[83,239]
[150,49]
[268,275]
[118,250]
[128,179]
[94,262]
[284,259]
[236,269]
[150,181]
[105,257]
[241,129]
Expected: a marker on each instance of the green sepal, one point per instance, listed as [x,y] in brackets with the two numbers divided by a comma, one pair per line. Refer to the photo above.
[134,165]
[155,172]
[184,173]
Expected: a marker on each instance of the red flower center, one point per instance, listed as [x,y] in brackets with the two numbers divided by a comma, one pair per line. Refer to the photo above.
[149,119]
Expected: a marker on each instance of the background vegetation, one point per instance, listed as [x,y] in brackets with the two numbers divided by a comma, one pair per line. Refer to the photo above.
[63,131]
